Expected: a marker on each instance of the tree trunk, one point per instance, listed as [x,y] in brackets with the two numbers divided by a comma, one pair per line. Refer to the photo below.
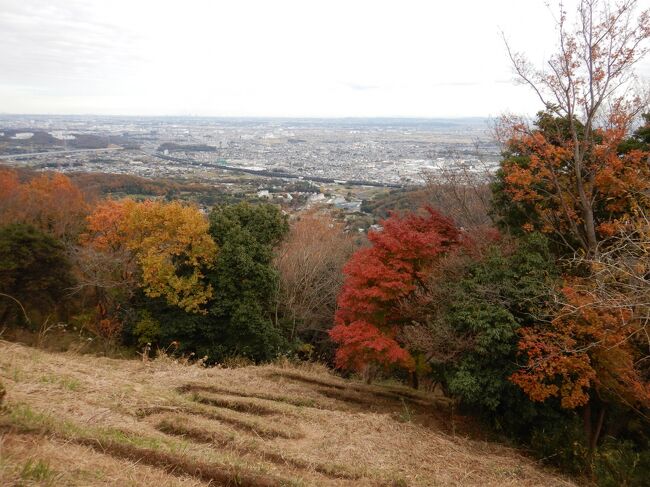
[414,380]
[592,432]
[586,419]
[596,432]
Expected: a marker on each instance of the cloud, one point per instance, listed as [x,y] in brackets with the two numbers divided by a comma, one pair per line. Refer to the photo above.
[53,45]
[360,86]
[255,57]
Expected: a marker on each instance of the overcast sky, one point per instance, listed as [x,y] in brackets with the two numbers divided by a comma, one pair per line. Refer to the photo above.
[269,57]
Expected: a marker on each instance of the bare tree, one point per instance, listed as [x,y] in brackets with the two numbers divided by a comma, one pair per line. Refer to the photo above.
[461,192]
[620,278]
[310,263]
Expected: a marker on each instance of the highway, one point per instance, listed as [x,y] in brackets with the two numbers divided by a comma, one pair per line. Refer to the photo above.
[56,152]
[273,174]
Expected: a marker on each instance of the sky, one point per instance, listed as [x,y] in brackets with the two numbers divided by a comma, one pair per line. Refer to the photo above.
[277,58]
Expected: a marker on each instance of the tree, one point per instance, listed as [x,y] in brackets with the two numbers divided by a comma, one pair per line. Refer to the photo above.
[566,174]
[465,321]
[310,265]
[244,282]
[461,192]
[33,270]
[594,352]
[173,248]
[164,248]
[583,358]
[537,186]
[51,203]
[378,278]
[579,177]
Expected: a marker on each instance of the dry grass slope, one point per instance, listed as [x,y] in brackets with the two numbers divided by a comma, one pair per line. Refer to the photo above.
[88,421]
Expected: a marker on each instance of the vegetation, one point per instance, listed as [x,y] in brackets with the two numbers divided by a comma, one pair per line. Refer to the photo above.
[35,274]
[519,299]
[144,424]
[310,265]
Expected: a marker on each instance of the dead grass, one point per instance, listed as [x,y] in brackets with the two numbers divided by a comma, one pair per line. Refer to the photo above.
[186,427]
[171,457]
[349,396]
[81,420]
[294,401]
[23,456]
[238,421]
[296,376]
[236,404]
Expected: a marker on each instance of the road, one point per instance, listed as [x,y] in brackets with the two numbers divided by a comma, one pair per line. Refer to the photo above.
[56,152]
[273,174]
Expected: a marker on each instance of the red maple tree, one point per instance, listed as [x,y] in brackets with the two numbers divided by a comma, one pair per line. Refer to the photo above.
[378,278]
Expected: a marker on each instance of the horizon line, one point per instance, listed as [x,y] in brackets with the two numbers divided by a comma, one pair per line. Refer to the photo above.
[277,117]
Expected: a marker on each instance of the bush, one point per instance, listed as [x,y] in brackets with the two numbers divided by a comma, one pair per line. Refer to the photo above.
[34,270]
[621,463]
[496,295]
[561,443]
[147,329]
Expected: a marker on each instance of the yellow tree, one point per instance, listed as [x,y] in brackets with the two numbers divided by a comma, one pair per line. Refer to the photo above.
[168,243]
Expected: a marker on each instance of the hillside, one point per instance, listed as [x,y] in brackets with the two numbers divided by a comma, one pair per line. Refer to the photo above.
[82,420]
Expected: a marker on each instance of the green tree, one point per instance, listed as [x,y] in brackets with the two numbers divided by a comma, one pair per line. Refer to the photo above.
[244,280]
[33,270]
[468,321]
[500,294]
[240,313]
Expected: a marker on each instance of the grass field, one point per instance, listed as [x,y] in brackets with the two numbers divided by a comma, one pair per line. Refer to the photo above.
[88,421]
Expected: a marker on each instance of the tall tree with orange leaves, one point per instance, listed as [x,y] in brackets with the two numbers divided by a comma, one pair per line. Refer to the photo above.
[578,176]
[566,175]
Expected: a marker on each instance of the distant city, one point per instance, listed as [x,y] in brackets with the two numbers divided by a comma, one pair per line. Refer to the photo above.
[383,152]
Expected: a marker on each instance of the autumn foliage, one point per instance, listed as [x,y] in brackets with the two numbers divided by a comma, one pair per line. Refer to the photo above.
[400,258]
[310,263]
[586,347]
[169,242]
[51,203]
[578,206]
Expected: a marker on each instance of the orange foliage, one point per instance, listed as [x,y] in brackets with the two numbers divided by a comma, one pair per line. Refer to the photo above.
[162,238]
[52,203]
[550,184]
[585,348]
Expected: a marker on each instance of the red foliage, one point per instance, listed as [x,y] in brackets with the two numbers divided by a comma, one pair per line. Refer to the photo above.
[364,343]
[400,259]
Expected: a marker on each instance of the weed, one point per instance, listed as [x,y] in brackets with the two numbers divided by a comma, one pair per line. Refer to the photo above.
[64,382]
[37,470]
[406,415]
